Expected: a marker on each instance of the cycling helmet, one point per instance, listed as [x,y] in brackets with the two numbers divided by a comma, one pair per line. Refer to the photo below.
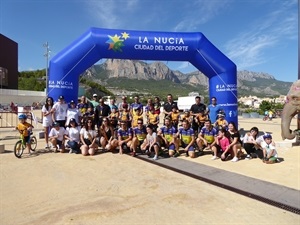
[22,116]
[266,135]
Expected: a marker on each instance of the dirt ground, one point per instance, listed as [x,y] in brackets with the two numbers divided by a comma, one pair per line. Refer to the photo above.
[63,189]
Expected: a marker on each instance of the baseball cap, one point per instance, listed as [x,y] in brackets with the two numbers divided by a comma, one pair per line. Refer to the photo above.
[72,120]
[55,124]
[95,95]
[72,102]
[61,97]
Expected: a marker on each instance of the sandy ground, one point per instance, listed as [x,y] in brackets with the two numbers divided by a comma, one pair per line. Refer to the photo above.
[48,188]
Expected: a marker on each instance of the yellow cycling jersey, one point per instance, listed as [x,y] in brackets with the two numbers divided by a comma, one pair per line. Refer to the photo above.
[153,118]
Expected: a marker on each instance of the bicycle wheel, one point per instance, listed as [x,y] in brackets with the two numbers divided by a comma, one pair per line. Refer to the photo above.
[33,143]
[18,149]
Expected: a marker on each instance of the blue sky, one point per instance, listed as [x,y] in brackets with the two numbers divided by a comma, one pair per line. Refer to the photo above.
[257,35]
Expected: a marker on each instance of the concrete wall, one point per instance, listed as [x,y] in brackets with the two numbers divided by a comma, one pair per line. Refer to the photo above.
[20,97]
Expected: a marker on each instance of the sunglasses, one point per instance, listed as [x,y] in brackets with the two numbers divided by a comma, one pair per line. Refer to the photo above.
[89,122]
[140,123]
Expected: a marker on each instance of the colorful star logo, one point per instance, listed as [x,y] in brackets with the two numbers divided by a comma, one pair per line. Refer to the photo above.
[117,42]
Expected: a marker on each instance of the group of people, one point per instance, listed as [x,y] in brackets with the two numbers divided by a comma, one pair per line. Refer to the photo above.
[85,127]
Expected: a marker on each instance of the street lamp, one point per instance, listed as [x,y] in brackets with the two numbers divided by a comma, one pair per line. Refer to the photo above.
[47,55]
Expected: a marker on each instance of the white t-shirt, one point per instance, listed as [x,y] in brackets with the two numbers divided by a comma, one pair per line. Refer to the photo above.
[73,113]
[269,148]
[60,111]
[47,118]
[74,133]
[248,138]
[151,138]
[60,133]
[84,132]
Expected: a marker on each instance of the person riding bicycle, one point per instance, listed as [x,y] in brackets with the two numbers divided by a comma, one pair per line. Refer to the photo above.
[25,130]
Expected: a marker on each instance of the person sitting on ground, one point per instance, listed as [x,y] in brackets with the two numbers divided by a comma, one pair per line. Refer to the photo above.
[249,143]
[269,150]
[235,141]
[73,136]
[167,137]
[221,122]
[186,139]
[88,137]
[221,147]
[124,137]
[57,137]
[153,119]
[207,137]
[139,136]
[107,140]
[25,130]
[151,143]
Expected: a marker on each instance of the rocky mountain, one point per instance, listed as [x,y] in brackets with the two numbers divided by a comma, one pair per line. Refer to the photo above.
[112,71]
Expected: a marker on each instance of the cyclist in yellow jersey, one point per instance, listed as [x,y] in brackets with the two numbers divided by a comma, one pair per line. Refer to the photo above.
[200,119]
[136,114]
[174,116]
[139,136]
[125,114]
[153,119]
[186,138]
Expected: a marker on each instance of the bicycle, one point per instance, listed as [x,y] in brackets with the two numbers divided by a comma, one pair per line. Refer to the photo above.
[21,145]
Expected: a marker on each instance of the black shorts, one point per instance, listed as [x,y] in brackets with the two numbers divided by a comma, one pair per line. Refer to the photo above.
[87,141]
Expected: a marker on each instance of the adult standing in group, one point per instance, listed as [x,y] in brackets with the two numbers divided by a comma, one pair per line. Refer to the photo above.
[47,118]
[59,111]
[123,103]
[83,105]
[74,113]
[95,102]
[195,111]
[169,105]
[101,111]
[136,105]
[213,109]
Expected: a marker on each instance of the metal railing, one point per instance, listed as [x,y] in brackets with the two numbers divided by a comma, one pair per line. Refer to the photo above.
[9,119]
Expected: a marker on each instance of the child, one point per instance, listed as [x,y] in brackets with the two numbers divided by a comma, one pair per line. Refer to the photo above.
[221,122]
[269,151]
[25,130]
[175,116]
[221,147]
[200,119]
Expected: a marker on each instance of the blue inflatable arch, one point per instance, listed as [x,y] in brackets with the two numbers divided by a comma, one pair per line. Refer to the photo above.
[96,43]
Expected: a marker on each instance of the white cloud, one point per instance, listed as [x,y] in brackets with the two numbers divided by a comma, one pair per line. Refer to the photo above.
[250,47]
[110,13]
[203,11]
